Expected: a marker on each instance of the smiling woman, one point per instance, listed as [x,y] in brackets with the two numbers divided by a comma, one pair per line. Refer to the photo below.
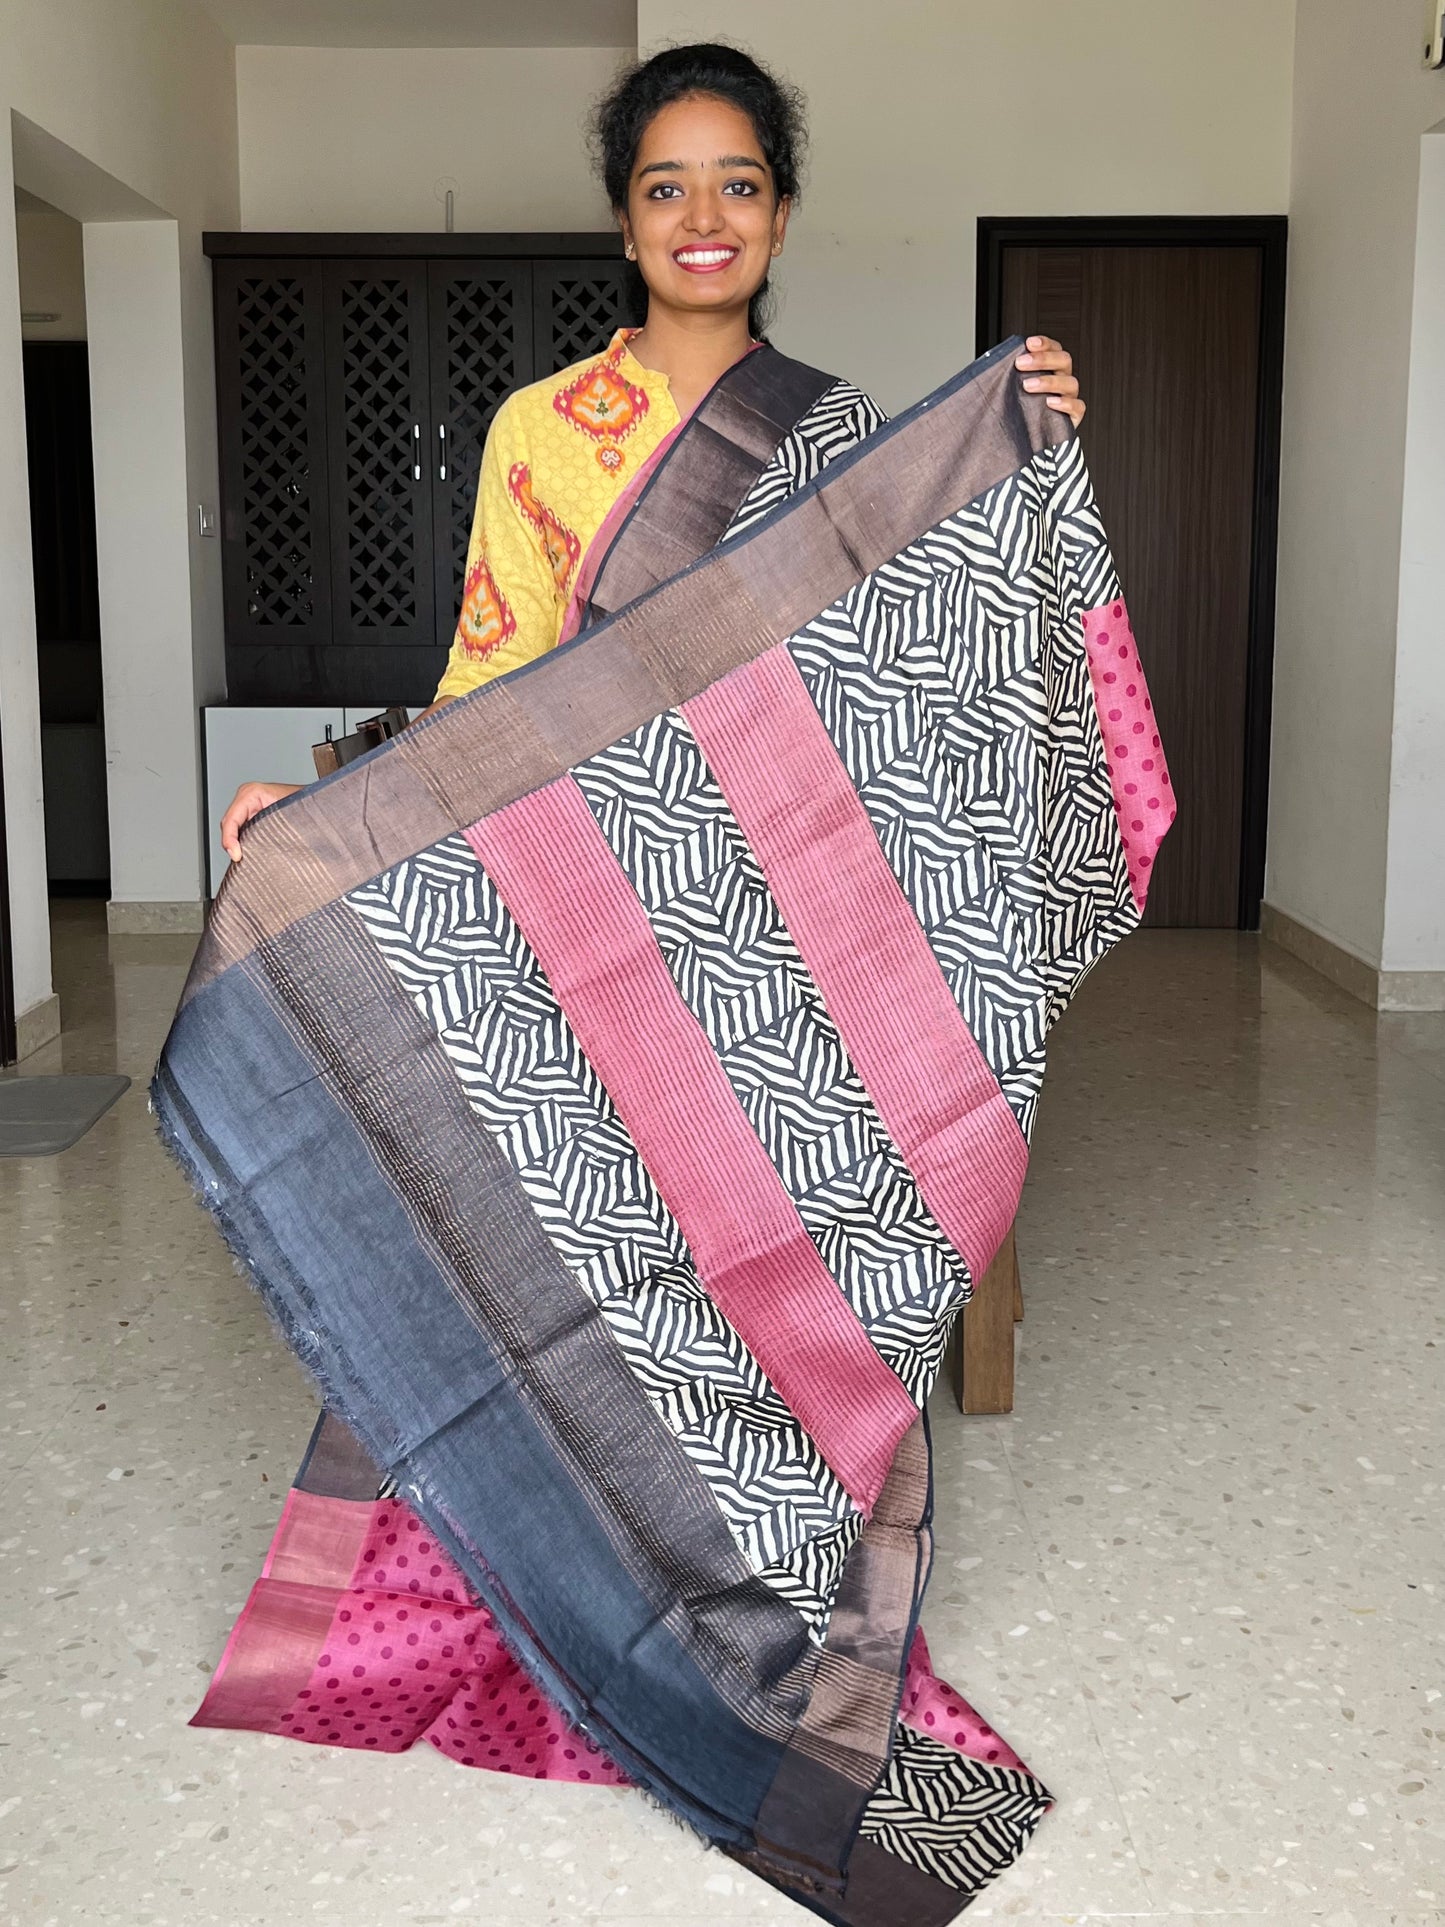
[660,891]
[700,150]
[703,223]
[687,133]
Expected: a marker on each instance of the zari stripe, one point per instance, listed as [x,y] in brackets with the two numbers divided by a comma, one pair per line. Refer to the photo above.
[685,505]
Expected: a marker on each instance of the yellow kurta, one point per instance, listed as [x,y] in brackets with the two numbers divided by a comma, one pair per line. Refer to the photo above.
[558,455]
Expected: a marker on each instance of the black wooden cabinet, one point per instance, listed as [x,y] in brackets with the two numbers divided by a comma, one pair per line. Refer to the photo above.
[480,349]
[378,471]
[356,378]
[275,531]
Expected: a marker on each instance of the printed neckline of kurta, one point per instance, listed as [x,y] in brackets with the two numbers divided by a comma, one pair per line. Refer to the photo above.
[610,397]
[561,456]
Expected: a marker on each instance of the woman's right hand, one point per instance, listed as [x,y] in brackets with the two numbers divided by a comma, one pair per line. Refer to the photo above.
[249,801]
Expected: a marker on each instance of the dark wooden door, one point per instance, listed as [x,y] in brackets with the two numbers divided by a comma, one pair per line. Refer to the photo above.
[577,305]
[378,435]
[275,523]
[62,491]
[1167,342]
[481,349]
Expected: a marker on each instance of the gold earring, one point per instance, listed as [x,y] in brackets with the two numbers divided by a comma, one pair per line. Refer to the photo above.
[631,252]
[777,247]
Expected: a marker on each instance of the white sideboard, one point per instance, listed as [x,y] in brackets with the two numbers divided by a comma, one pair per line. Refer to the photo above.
[270,745]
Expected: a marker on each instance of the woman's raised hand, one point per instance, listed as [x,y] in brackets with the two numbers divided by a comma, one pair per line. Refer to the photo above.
[249,801]
[1050,371]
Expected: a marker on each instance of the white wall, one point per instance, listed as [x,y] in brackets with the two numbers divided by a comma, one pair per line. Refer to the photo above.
[126,110]
[1414,937]
[347,138]
[19,679]
[928,113]
[52,275]
[924,116]
[138,430]
[1362,101]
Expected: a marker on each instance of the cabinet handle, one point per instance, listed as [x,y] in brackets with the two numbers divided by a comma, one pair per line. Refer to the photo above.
[442,437]
[416,439]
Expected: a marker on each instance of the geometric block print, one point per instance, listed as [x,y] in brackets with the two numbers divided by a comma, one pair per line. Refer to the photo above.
[446,935]
[739,972]
[840,418]
[955,1818]
[942,679]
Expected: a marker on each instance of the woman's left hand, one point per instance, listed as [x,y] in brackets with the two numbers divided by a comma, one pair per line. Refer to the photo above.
[1049,370]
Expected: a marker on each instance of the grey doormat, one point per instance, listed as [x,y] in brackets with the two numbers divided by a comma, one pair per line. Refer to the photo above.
[42,1115]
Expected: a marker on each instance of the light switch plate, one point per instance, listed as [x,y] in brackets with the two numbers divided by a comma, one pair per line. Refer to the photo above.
[206,518]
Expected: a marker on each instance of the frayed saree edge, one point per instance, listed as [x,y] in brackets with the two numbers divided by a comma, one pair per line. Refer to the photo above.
[713,1828]
[730,1836]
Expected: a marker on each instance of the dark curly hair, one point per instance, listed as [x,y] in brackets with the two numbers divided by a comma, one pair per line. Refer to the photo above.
[726,73]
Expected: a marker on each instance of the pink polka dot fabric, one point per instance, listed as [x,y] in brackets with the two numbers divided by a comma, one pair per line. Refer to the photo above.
[360,1633]
[931,1706]
[1143,799]
[407,1657]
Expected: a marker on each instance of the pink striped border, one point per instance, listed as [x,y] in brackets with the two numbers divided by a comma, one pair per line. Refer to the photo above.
[275,1643]
[770,752]
[582,917]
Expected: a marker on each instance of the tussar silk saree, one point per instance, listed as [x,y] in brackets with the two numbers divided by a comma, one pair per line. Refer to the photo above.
[614,1085]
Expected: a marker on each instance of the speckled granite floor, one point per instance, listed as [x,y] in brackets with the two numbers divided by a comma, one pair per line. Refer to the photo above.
[1196,1577]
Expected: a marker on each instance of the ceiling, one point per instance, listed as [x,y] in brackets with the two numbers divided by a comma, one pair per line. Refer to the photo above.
[426,23]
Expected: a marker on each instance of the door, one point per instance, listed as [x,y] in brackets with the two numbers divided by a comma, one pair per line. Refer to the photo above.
[577,307]
[378,421]
[271,401]
[481,349]
[67,617]
[1175,342]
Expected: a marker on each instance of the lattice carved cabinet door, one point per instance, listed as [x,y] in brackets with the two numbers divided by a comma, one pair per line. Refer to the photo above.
[481,349]
[275,529]
[577,305]
[381,471]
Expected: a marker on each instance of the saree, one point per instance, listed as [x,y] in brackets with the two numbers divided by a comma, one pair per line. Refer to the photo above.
[613,1086]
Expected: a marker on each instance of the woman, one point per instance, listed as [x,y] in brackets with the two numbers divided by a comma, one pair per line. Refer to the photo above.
[700,152]
[614,1085]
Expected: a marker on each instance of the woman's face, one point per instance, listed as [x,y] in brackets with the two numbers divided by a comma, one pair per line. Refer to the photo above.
[702,211]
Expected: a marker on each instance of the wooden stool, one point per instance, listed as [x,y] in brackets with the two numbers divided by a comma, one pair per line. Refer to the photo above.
[983,1357]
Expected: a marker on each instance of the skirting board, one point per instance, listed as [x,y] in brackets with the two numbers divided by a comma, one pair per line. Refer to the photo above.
[154,919]
[38,1026]
[1397,990]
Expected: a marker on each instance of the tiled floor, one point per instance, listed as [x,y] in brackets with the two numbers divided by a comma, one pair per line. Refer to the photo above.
[1196,1577]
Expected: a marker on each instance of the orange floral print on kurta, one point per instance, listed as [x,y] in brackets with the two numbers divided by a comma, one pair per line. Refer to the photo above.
[558,456]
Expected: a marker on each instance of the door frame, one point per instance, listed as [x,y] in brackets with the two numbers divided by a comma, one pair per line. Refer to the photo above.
[8,1044]
[1268,233]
